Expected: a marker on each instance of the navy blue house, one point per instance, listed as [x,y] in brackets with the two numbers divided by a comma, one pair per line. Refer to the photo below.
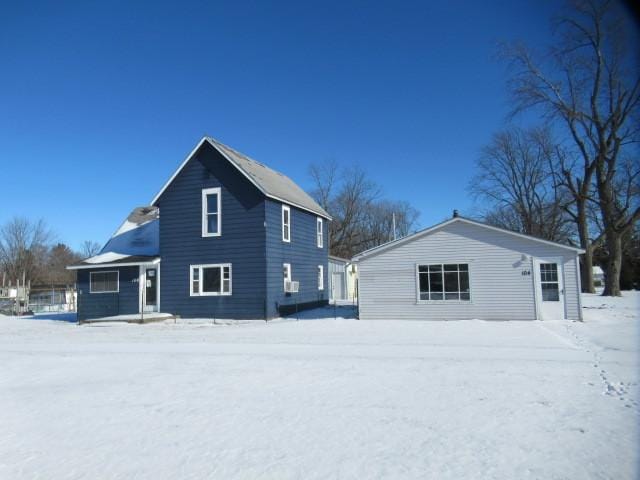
[226,237]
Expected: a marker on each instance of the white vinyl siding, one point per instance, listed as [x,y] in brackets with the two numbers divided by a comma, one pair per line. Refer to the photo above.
[211,212]
[286,223]
[104,282]
[319,232]
[498,263]
[210,280]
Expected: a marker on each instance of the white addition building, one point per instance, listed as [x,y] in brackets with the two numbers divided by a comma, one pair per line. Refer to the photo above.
[463,269]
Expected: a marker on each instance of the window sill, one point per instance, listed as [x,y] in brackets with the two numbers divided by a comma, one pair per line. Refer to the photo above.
[109,291]
[444,302]
[210,295]
[205,235]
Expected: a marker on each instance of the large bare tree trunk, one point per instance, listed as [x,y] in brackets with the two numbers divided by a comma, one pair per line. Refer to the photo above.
[590,83]
[586,272]
[614,266]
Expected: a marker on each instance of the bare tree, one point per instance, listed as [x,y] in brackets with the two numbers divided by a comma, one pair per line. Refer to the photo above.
[89,248]
[380,219]
[23,249]
[590,84]
[514,178]
[575,177]
[361,219]
[59,257]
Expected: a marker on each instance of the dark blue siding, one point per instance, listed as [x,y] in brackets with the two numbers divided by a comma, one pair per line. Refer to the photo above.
[302,253]
[242,242]
[97,305]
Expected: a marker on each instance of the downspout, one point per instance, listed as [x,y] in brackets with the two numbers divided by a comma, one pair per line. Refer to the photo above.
[266,262]
[535,289]
[579,280]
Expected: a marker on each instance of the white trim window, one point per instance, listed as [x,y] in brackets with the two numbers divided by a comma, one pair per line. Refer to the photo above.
[286,223]
[210,280]
[104,282]
[444,282]
[211,212]
[320,277]
[319,233]
[286,275]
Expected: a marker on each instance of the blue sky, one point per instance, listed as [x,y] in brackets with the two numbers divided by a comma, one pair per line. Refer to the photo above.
[100,102]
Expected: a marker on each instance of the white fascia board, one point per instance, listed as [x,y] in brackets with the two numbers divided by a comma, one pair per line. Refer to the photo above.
[111,265]
[400,241]
[408,238]
[522,235]
[175,174]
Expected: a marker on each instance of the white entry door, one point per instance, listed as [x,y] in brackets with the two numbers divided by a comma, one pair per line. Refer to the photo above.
[550,290]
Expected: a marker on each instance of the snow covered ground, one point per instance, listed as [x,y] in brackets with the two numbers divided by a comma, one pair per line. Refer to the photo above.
[323,399]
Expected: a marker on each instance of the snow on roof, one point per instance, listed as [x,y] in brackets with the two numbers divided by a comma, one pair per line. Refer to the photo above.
[138,217]
[271,183]
[138,235]
[136,241]
[107,257]
[111,259]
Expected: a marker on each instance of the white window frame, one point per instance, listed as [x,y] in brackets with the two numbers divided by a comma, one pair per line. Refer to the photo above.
[447,302]
[200,268]
[205,213]
[286,227]
[320,232]
[286,267]
[117,290]
[320,277]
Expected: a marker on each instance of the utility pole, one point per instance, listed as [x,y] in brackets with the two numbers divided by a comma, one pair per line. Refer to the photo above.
[393,219]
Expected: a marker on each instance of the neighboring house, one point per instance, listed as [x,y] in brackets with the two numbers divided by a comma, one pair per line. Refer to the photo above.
[225,237]
[598,276]
[337,278]
[352,281]
[343,278]
[463,269]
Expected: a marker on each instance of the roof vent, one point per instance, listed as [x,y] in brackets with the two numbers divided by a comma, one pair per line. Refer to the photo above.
[455,214]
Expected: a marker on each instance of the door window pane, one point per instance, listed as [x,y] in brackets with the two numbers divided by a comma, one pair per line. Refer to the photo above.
[550,292]
[549,283]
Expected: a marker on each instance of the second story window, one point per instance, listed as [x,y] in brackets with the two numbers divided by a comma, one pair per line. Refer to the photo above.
[319,232]
[211,212]
[286,223]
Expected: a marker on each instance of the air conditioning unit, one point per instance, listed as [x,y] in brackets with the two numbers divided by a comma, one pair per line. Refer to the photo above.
[291,287]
